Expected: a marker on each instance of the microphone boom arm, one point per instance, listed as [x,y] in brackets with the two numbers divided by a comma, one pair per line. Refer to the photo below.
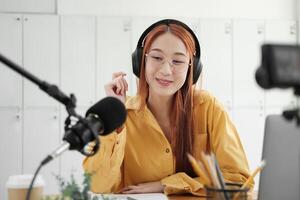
[50,89]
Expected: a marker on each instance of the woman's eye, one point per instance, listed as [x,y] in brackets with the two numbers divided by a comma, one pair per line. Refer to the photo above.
[157,58]
[178,62]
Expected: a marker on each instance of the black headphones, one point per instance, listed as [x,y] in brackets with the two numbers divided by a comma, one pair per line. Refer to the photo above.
[138,52]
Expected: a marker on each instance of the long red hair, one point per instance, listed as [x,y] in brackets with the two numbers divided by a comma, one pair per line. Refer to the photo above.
[182,118]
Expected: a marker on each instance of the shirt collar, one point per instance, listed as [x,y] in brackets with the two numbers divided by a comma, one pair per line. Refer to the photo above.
[132,103]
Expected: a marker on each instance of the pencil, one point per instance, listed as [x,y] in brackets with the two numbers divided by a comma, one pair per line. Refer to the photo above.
[258,169]
[211,169]
[251,177]
[199,170]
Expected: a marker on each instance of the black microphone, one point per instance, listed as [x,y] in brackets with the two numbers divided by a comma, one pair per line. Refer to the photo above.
[101,119]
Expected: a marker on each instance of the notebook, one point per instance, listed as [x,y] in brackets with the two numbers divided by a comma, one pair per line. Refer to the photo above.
[280,177]
[146,196]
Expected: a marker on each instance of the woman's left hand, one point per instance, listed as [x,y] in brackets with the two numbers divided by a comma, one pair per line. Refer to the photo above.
[150,187]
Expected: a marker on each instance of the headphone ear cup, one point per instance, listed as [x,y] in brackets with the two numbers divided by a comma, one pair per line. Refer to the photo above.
[136,57]
[197,69]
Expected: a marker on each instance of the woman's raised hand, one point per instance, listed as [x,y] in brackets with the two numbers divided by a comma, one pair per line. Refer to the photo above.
[117,87]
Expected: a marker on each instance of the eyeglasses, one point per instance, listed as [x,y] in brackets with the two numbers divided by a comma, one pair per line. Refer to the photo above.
[158,59]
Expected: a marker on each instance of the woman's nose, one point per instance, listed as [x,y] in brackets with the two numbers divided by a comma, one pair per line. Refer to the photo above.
[166,67]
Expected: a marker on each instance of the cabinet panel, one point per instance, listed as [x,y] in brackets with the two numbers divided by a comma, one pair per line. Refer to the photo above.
[78,48]
[45,6]
[113,52]
[249,122]
[248,37]
[193,23]
[215,39]
[274,110]
[11,47]
[41,56]
[280,32]
[41,137]
[139,25]
[11,146]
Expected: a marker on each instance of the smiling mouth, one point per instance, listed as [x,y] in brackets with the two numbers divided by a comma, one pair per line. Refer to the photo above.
[163,82]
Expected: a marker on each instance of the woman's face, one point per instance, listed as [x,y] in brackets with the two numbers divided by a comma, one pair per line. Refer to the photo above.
[167,63]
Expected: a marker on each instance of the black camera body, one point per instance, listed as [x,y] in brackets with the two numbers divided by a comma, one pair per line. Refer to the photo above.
[280,66]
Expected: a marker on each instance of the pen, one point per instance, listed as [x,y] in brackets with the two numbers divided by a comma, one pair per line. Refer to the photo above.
[220,177]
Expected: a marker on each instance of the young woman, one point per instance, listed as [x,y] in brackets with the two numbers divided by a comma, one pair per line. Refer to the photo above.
[167,119]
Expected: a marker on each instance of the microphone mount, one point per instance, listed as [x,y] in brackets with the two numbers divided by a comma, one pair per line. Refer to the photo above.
[292,114]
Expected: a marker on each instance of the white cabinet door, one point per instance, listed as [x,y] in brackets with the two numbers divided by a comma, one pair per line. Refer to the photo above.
[215,38]
[247,40]
[280,32]
[10,47]
[10,146]
[113,51]
[78,61]
[41,56]
[139,25]
[41,137]
[45,6]
[249,122]
[193,23]
[274,110]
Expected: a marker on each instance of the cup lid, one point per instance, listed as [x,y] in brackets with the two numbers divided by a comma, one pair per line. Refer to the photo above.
[23,181]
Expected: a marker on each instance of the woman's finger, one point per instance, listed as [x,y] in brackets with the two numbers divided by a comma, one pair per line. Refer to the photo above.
[129,188]
[118,87]
[132,191]
[125,83]
[110,88]
[120,80]
[116,74]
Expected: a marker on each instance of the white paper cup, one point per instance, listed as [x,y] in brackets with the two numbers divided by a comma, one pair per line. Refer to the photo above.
[17,186]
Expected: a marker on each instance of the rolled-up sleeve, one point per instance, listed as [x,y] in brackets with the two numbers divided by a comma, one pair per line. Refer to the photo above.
[181,183]
[106,165]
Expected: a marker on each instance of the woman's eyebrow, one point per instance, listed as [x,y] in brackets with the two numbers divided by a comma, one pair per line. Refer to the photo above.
[176,53]
[156,49]
[180,54]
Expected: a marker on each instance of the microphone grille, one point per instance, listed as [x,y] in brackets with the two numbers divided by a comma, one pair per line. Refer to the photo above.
[111,111]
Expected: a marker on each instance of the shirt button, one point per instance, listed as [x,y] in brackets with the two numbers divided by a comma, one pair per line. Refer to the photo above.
[167,150]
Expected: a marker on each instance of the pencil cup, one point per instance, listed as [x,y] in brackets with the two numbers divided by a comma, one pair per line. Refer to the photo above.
[232,191]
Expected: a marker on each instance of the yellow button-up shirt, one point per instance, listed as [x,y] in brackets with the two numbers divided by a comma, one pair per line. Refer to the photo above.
[141,153]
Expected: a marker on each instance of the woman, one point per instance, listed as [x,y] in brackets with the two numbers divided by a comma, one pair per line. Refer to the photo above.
[166,120]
